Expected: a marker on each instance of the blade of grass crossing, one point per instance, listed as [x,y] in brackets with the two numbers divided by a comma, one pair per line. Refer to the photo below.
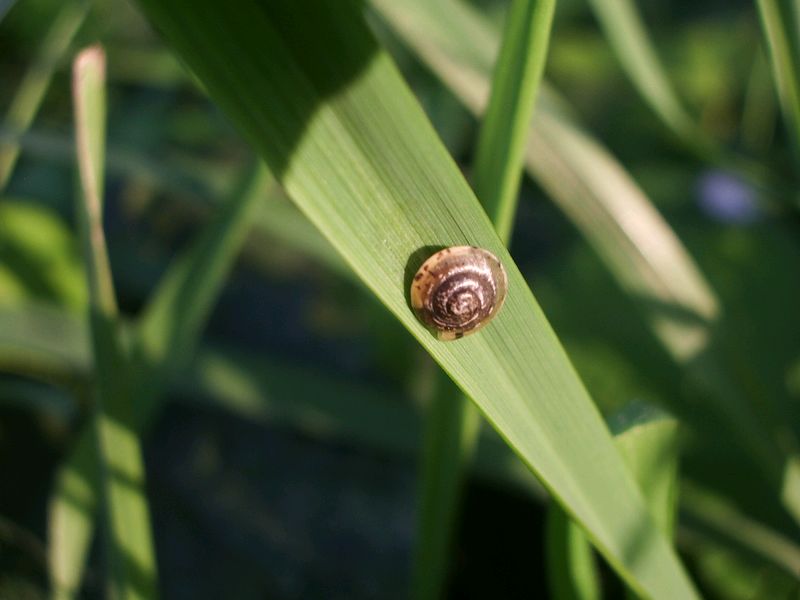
[343,134]
[506,125]
[626,32]
[163,341]
[453,422]
[784,71]
[132,568]
[170,327]
[648,441]
[31,91]
[569,558]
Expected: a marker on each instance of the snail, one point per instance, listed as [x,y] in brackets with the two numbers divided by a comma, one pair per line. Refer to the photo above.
[458,290]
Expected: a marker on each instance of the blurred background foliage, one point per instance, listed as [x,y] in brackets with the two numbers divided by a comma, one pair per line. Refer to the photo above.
[283,462]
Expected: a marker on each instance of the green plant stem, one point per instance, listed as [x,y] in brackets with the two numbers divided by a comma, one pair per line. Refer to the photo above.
[784,70]
[132,567]
[31,91]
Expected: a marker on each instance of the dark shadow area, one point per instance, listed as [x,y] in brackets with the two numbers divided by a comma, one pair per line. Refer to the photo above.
[413,264]
[287,64]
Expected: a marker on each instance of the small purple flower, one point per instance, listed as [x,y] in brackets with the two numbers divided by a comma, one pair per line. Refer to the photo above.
[726,198]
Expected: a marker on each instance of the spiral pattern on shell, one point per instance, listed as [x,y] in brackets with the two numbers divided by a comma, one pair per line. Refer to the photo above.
[458,290]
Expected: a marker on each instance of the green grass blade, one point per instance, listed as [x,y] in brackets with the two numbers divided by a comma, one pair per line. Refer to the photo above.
[648,441]
[506,124]
[343,134]
[571,568]
[71,514]
[163,341]
[784,67]
[581,177]
[626,32]
[612,213]
[43,341]
[170,326]
[30,93]
[130,547]
[453,423]
[723,521]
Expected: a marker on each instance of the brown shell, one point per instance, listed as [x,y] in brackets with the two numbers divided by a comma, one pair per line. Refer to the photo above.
[458,290]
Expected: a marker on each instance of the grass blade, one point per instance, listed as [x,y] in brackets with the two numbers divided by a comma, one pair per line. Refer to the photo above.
[130,546]
[163,341]
[784,71]
[341,131]
[626,32]
[453,423]
[450,435]
[648,441]
[30,93]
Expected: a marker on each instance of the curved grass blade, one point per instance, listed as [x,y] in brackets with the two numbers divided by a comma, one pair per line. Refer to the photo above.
[626,32]
[130,548]
[648,441]
[343,134]
[453,422]
[571,568]
[169,328]
[163,341]
[784,67]
[506,126]
[30,93]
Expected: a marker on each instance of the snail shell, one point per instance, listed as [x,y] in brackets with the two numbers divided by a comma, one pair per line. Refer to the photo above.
[458,290]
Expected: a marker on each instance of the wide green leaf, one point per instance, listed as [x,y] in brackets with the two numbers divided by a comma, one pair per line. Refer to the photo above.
[784,67]
[648,440]
[626,32]
[329,112]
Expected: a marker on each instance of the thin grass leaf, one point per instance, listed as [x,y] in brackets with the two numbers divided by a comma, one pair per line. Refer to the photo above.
[170,326]
[343,134]
[571,567]
[130,546]
[612,213]
[453,422]
[784,67]
[164,339]
[450,436]
[31,91]
[43,341]
[648,441]
[506,124]
[627,34]
[721,520]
